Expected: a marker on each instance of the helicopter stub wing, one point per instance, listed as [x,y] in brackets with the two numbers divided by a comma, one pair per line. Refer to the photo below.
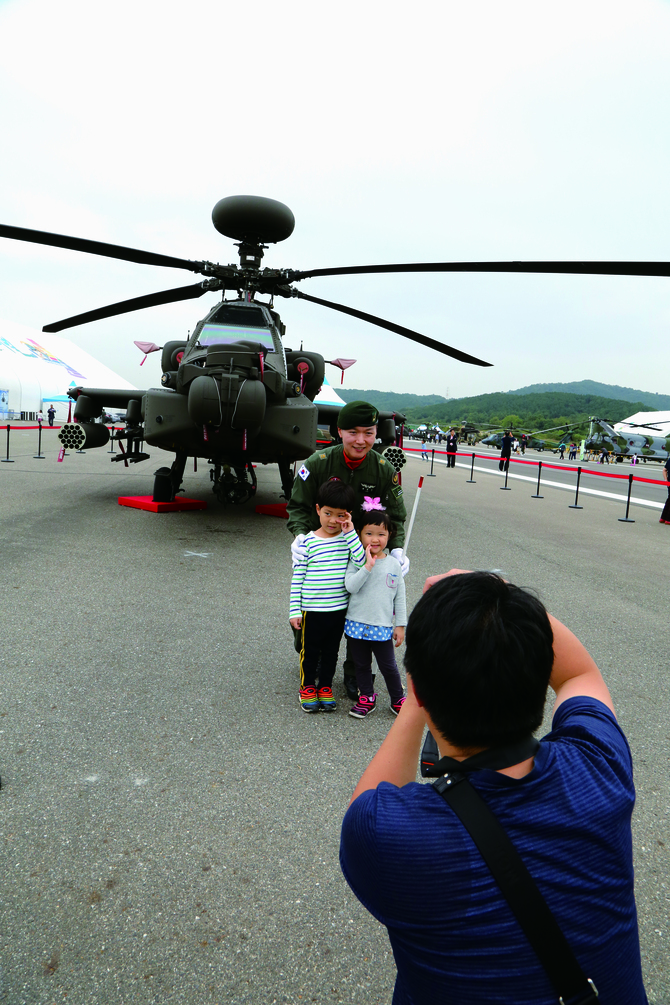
[114,397]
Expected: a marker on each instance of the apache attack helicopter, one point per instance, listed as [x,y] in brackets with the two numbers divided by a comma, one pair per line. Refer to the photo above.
[533,441]
[231,393]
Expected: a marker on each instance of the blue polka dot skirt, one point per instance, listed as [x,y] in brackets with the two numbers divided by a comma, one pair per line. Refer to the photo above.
[369,633]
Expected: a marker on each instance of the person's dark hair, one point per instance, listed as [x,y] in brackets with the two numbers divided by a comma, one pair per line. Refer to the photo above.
[376,517]
[480,653]
[337,494]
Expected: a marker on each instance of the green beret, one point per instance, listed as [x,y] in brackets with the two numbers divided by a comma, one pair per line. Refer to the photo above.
[357,413]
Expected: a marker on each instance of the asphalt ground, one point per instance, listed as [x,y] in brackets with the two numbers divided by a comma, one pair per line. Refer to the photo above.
[170,817]
[609,481]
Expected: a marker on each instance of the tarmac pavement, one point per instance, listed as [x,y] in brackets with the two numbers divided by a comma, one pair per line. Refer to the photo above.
[170,816]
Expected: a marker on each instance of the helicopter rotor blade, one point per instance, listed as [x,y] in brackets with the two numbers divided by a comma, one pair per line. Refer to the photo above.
[431,343]
[125,306]
[98,248]
[567,268]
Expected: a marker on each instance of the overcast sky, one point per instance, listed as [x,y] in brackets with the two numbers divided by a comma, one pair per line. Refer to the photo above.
[434,131]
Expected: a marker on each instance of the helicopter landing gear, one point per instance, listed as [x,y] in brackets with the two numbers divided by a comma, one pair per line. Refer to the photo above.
[286,476]
[167,481]
[233,486]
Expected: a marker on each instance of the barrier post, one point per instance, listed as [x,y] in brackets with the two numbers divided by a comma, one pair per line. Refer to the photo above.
[111,439]
[574,504]
[624,519]
[539,475]
[471,480]
[39,456]
[504,488]
[432,461]
[6,460]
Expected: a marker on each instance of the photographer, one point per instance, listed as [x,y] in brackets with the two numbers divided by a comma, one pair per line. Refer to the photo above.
[480,655]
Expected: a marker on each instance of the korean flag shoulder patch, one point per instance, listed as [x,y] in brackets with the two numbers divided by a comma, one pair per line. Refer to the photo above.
[304,473]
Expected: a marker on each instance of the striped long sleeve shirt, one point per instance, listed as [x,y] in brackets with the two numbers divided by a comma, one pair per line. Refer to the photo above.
[318,582]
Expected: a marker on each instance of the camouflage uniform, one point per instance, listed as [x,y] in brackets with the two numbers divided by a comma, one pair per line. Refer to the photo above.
[374,477]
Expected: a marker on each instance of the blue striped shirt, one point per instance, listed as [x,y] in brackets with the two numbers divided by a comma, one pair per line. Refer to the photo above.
[318,582]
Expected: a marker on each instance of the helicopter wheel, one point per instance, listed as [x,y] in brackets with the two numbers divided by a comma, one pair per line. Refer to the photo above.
[234,488]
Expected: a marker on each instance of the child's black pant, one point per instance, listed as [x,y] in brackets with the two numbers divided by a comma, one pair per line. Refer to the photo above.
[361,653]
[321,634]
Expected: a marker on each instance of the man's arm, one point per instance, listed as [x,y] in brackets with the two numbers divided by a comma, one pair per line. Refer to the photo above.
[301,506]
[575,673]
[397,759]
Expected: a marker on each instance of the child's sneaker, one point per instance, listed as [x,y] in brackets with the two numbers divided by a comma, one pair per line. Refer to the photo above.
[326,701]
[363,706]
[308,699]
[397,705]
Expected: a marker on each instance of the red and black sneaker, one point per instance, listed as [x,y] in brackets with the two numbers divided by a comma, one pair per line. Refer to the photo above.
[364,706]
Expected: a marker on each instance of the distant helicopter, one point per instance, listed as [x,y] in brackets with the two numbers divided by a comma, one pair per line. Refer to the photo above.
[653,444]
[533,440]
[231,393]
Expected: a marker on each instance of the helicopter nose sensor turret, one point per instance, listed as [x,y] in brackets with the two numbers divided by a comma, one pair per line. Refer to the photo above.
[253,219]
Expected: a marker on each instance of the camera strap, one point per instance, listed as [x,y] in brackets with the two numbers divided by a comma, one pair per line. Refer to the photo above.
[507,867]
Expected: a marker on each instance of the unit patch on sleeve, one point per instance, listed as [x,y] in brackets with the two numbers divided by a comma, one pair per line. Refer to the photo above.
[304,473]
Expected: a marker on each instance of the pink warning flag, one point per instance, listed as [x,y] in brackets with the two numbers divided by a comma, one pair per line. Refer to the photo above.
[343,364]
[146,348]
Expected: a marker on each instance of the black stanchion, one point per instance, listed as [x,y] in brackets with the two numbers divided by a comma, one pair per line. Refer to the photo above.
[504,488]
[539,475]
[432,461]
[6,460]
[471,480]
[574,504]
[111,439]
[39,456]
[624,519]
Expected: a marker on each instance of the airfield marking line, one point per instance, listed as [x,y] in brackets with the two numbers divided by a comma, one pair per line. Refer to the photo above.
[197,554]
[558,485]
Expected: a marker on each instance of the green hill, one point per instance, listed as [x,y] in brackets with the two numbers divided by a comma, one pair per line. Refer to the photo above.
[531,410]
[390,401]
[657,402]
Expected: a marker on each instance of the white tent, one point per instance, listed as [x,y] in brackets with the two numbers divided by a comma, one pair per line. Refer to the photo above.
[659,420]
[328,395]
[36,370]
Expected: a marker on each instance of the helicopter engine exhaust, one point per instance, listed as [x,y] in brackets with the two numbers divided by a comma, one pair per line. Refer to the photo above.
[78,435]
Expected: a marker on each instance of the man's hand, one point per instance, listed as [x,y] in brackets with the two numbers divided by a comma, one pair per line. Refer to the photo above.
[369,559]
[432,580]
[296,622]
[298,549]
[404,561]
[398,636]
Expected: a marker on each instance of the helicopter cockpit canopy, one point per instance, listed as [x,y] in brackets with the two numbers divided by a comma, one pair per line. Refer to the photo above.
[235,322]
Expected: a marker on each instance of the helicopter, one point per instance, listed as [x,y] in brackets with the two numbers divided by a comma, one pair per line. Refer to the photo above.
[533,441]
[651,445]
[231,392]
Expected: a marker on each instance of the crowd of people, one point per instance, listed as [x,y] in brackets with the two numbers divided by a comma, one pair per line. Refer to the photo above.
[441,865]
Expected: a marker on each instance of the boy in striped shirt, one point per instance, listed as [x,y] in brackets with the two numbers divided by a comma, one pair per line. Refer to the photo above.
[319,599]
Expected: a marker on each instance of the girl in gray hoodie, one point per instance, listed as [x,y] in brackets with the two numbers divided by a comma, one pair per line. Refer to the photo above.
[377,602]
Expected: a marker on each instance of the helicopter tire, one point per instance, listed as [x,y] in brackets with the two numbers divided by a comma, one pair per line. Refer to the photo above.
[163,485]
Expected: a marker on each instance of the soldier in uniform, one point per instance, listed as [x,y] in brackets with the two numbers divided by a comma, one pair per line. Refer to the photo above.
[354,462]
